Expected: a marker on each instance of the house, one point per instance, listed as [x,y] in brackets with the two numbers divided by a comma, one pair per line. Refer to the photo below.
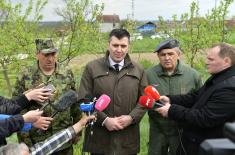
[109,22]
[230,23]
[147,27]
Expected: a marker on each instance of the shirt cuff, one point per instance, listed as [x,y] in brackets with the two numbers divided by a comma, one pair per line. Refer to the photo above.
[72,131]
[104,121]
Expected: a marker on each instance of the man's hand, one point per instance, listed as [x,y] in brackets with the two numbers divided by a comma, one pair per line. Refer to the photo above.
[113,124]
[43,123]
[32,116]
[82,123]
[164,109]
[124,120]
[40,94]
[164,99]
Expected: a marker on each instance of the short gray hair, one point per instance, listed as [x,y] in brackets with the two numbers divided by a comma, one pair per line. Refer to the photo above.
[13,149]
[178,49]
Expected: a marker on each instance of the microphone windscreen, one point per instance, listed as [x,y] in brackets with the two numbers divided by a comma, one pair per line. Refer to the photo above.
[151,91]
[102,102]
[146,101]
[70,97]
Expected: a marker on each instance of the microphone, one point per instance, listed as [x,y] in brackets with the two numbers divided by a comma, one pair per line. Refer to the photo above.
[67,100]
[88,104]
[151,91]
[97,105]
[149,103]
[102,103]
[64,102]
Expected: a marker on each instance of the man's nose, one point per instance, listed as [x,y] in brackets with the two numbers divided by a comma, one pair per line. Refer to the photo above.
[119,48]
[167,56]
[50,57]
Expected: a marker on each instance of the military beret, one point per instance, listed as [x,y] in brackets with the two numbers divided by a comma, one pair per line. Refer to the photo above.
[167,44]
[45,46]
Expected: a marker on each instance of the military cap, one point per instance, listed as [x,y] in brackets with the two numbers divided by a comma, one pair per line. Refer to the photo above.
[45,46]
[167,44]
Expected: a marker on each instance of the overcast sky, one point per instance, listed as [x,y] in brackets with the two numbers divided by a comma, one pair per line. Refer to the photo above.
[143,9]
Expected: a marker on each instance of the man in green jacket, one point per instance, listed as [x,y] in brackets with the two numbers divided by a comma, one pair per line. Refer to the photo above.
[171,77]
[47,71]
[116,131]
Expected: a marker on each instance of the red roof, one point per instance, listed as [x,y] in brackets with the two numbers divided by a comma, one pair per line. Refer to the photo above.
[109,18]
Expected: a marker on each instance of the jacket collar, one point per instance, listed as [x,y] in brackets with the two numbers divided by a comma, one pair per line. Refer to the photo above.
[127,61]
[56,71]
[178,71]
[221,76]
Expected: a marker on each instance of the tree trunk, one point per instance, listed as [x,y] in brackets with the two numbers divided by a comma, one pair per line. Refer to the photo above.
[6,77]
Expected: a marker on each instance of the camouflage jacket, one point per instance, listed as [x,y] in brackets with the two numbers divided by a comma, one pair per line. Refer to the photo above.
[62,79]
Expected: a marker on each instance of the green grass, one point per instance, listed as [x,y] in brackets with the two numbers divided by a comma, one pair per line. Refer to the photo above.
[145,45]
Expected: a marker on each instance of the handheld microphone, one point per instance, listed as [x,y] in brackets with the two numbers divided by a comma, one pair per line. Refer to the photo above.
[97,105]
[64,102]
[87,107]
[102,103]
[151,91]
[88,104]
[149,103]
[67,100]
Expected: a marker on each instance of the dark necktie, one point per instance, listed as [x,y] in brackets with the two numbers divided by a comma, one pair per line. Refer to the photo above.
[116,66]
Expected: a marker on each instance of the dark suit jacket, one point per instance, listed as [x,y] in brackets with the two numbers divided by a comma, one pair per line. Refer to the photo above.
[14,123]
[204,113]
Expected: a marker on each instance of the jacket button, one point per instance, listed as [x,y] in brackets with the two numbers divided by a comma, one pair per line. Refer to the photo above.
[127,73]
[107,72]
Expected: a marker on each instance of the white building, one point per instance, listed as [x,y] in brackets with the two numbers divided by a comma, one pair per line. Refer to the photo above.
[109,22]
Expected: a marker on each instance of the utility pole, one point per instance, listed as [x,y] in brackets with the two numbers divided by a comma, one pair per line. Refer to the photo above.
[215,4]
[132,9]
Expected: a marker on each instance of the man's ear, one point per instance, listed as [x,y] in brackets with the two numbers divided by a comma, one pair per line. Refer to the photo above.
[179,54]
[228,61]
[37,55]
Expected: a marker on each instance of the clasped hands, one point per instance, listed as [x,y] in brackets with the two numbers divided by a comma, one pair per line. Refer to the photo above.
[118,123]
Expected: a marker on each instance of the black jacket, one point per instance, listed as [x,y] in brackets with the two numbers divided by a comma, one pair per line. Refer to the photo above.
[14,123]
[204,113]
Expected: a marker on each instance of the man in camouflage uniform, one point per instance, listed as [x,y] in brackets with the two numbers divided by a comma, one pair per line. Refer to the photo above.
[48,71]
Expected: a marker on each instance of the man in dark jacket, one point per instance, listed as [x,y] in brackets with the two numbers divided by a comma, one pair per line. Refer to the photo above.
[204,113]
[14,106]
[117,128]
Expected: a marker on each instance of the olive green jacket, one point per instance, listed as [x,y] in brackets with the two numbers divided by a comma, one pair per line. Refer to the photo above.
[184,80]
[124,88]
